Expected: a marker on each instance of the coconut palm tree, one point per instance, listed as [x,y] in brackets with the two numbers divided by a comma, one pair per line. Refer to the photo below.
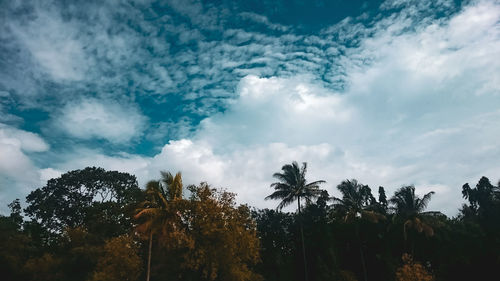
[173,184]
[357,202]
[292,185]
[156,214]
[409,208]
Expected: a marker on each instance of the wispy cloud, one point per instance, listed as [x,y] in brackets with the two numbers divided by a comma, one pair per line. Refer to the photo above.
[100,119]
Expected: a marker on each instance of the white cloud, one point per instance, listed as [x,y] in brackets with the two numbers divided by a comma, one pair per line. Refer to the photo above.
[420,107]
[102,119]
[411,115]
[18,174]
[53,45]
[276,110]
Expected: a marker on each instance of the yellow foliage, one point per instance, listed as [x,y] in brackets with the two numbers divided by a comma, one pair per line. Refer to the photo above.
[119,262]
[346,275]
[412,271]
[44,268]
[224,236]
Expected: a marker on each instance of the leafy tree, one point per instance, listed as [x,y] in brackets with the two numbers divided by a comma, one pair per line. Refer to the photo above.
[16,215]
[412,271]
[15,246]
[292,185]
[68,201]
[484,202]
[225,244]
[119,261]
[44,268]
[276,235]
[382,204]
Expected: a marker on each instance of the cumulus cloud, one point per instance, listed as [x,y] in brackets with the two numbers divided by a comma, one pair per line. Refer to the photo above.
[411,114]
[402,97]
[18,173]
[102,119]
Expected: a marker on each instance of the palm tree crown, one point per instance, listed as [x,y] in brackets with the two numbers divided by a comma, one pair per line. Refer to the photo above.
[409,207]
[356,200]
[292,185]
[407,204]
[173,184]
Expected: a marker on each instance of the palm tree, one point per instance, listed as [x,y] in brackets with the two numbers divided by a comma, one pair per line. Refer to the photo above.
[174,185]
[410,208]
[291,186]
[155,213]
[357,202]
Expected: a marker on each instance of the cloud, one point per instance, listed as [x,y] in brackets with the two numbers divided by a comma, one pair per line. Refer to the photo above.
[256,18]
[101,119]
[404,95]
[54,46]
[18,173]
[419,108]
[276,110]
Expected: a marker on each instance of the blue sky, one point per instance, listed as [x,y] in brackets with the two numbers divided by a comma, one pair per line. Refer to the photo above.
[389,92]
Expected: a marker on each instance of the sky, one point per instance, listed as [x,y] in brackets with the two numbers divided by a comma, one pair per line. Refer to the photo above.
[390,93]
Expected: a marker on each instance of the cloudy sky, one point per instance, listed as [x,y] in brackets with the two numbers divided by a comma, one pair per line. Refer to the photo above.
[388,92]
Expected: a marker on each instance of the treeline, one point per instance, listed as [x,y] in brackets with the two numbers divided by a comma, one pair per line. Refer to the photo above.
[93,224]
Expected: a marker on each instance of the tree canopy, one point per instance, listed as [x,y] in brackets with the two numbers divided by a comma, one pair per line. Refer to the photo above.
[93,224]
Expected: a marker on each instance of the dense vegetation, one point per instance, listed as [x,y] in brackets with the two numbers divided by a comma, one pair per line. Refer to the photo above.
[93,224]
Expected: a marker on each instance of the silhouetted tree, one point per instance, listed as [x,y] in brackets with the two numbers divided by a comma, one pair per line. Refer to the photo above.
[292,185]
[357,202]
[409,208]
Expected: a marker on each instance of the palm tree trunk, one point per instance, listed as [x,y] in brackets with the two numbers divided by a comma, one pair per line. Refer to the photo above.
[363,265]
[149,255]
[303,244]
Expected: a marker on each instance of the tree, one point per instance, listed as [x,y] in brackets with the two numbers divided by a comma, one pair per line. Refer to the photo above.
[225,243]
[484,202]
[15,245]
[409,208]
[412,271]
[174,185]
[382,201]
[16,215]
[407,204]
[276,235]
[357,202]
[119,261]
[292,185]
[158,214]
[152,215]
[72,200]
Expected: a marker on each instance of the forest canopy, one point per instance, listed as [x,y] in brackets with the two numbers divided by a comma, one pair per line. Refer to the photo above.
[93,224]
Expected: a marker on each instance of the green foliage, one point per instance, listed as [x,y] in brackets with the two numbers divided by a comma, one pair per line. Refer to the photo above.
[76,199]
